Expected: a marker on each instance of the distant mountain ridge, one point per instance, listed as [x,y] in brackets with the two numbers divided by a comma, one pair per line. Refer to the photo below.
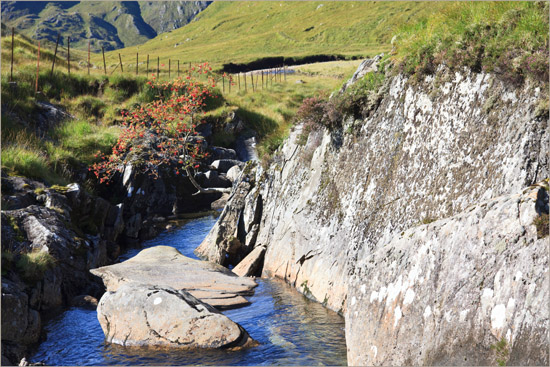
[110,24]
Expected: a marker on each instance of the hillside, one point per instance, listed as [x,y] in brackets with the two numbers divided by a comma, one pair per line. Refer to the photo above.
[244,31]
[109,24]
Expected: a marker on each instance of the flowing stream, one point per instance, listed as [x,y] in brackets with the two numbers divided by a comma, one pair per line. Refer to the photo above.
[291,329]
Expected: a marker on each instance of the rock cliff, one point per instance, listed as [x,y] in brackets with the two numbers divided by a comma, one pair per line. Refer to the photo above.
[413,222]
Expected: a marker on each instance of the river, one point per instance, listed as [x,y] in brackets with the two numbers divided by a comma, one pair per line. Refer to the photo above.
[291,329]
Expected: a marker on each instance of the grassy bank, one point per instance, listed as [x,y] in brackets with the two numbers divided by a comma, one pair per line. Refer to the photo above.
[56,152]
[509,39]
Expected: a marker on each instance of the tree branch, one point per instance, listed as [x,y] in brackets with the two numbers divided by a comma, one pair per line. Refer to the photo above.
[202,190]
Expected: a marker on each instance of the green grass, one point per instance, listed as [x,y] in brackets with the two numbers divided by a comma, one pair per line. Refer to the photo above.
[243,31]
[507,38]
[32,266]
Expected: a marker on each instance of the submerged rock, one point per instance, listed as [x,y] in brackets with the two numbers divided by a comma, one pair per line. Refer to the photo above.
[165,266]
[86,301]
[140,315]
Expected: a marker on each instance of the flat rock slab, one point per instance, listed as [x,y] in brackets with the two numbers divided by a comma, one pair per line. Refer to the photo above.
[166,266]
[147,315]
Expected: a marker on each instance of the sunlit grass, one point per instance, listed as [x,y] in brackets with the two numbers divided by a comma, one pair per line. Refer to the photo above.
[510,38]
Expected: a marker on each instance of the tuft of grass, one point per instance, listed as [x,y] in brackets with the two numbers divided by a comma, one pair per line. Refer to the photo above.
[26,162]
[501,351]
[32,266]
[428,220]
[19,237]
[542,224]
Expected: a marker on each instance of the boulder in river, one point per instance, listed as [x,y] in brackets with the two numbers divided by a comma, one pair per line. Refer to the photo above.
[139,315]
[165,266]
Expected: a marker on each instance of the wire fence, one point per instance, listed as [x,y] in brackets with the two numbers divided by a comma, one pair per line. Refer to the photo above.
[246,81]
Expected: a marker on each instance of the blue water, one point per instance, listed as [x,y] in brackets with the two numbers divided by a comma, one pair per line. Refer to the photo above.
[291,329]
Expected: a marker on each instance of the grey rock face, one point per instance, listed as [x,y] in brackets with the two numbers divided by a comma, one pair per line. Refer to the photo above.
[20,324]
[452,289]
[431,149]
[69,229]
[140,315]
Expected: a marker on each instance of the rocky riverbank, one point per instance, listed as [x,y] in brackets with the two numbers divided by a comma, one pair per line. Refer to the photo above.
[53,235]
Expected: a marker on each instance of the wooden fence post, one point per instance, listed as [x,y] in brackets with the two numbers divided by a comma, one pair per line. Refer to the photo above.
[147,65]
[104,64]
[262,79]
[252,78]
[12,40]
[257,80]
[223,84]
[169,67]
[69,55]
[158,67]
[284,71]
[88,57]
[120,61]
[37,69]
[239,79]
[137,61]
[230,83]
[244,79]
[178,68]
[55,54]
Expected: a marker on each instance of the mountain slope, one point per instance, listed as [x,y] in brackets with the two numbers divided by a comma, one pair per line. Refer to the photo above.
[243,31]
[109,24]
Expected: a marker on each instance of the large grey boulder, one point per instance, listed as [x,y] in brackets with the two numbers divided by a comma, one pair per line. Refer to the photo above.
[223,165]
[233,173]
[145,315]
[166,267]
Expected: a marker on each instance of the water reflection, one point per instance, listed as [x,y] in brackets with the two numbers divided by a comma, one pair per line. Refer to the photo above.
[291,329]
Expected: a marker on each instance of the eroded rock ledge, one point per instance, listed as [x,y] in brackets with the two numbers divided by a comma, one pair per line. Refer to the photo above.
[165,266]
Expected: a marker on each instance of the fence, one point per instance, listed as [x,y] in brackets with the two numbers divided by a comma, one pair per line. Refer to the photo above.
[252,80]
